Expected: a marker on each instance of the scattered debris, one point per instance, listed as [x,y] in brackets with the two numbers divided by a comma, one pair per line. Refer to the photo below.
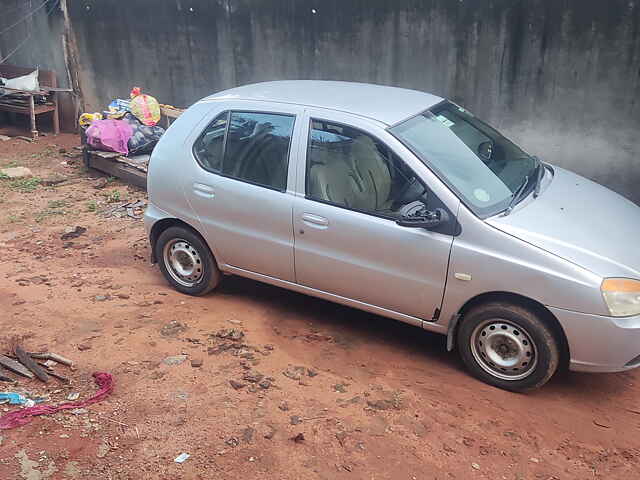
[253,376]
[232,442]
[475,466]
[294,372]
[295,420]
[237,385]
[22,417]
[73,396]
[340,387]
[284,406]
[13,398]
[183,457]
[83,347]
[299,438]
[271,433]
[134,210]
[172,328]
[230,334]
[265,384]
[71,232]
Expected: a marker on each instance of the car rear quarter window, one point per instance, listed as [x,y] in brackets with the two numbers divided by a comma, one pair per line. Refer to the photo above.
[209,147]
[257,148]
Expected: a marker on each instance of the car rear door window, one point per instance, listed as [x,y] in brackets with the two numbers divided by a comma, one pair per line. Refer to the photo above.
[209,148]
[257,148]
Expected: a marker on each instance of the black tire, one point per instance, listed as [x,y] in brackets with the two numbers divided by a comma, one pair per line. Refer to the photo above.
[197,253]
[519,334]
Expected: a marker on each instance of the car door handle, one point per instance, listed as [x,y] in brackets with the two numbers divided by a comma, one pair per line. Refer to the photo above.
[203,190]
[315,220]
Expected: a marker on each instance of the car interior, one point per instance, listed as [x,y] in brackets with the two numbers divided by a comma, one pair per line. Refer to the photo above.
[349,168]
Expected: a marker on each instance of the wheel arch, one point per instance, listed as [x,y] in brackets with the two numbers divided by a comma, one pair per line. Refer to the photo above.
[160,226]
[543,312]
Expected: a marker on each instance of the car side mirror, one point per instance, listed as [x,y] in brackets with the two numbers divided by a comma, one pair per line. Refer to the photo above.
[428,219]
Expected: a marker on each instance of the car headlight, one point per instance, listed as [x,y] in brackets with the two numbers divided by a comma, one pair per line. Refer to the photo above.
[622,296]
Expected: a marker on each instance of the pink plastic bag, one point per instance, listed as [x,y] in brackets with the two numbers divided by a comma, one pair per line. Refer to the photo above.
[109,135]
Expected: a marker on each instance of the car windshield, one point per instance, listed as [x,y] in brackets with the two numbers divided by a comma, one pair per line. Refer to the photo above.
[482,166]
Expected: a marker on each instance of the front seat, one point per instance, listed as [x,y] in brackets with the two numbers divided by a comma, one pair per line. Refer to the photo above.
[330,177]
[371,174]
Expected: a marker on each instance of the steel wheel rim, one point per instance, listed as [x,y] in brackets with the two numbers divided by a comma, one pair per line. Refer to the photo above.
[183,262]
[503,349]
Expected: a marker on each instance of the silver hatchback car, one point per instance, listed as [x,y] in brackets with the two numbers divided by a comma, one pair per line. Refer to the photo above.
[406,205]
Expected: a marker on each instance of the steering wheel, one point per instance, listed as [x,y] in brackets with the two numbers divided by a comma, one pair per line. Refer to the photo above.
[405,189]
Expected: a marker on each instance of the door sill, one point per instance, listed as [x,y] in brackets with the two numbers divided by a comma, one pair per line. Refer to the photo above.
[418,322]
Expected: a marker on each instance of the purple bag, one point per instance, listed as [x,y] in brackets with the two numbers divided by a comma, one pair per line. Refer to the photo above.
[109,135]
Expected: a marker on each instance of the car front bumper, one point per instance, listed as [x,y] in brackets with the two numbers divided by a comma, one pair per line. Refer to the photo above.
[598,343]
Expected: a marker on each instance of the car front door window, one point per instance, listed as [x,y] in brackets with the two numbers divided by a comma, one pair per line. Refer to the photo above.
[349,168]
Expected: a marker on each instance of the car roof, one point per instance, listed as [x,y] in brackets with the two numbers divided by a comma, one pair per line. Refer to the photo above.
[388,105]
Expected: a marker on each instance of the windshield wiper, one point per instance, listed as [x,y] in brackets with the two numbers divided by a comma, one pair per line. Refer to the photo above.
[539,176]
[516,195]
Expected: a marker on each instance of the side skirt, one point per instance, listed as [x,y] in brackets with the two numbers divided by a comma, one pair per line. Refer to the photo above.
[418,322]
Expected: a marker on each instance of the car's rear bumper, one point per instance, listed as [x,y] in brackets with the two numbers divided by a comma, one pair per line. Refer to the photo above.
[600,344]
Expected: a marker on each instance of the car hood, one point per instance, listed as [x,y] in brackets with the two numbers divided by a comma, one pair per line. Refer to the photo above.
[582,222]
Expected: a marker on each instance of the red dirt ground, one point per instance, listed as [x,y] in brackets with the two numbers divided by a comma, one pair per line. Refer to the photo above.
[387,400]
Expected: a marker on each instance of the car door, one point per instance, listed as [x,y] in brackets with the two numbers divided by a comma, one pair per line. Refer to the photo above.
[238,187]
[347,241]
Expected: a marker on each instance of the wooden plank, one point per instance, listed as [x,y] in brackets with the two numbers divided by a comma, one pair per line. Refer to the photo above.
[32,118]
[171,112]
[31,364]
[120,170]
[25,92]
[5,107]
[56,115]
[15,367]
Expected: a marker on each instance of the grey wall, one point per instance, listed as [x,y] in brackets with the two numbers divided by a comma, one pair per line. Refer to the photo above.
[42,37]
[561,77]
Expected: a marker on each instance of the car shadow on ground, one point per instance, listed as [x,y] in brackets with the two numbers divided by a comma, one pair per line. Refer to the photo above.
[351,328]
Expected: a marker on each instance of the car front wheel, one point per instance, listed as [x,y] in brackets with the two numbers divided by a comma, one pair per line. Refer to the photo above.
[186,261]
[508,346]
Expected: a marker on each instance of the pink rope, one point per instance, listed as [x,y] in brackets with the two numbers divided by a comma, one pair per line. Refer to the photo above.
[22,417]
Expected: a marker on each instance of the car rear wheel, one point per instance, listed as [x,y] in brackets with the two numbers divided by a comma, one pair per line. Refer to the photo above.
[186,261]
[508,346]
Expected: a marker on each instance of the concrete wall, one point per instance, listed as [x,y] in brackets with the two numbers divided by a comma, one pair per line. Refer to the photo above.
[560,77]
[42,37]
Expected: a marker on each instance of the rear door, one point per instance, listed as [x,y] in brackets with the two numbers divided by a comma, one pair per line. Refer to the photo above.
[239,186]
[347,240]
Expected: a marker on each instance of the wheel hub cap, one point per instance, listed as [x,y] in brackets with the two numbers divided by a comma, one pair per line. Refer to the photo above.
[183,262]
[503,350]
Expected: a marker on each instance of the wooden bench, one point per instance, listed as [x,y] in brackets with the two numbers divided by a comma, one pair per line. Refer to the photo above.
[23,102]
